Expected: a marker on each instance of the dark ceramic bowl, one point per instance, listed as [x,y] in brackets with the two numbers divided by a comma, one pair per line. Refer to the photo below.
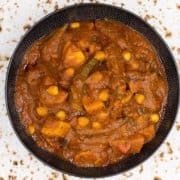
[91,12]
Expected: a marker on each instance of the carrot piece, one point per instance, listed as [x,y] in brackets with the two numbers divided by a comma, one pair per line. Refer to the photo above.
[121,145]
[124,147]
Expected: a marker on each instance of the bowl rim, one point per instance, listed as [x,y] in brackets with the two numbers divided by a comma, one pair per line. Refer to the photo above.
[96,175]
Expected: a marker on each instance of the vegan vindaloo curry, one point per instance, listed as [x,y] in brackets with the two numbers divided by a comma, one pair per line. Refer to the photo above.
[91,92]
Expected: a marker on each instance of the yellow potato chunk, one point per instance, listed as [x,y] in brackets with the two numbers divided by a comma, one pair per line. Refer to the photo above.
[126,55]
[55,128]
[69,72]
[61,115]
[95,78]
[53,90]
[42,111]
[96,125]
[83,121]
[75,25]
[154,117]
[79,57]
[139,98]
[74,57]
[31,129]
[126,99]
[93,106]
[104,95]
[99,55]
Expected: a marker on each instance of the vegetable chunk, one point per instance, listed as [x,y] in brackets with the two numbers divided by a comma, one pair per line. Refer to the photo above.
[90,106]
[53,128]
[74,57]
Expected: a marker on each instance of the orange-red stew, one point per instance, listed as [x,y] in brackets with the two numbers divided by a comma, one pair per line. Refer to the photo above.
[91,92]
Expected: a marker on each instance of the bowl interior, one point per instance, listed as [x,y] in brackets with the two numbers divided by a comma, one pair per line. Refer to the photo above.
[91,12]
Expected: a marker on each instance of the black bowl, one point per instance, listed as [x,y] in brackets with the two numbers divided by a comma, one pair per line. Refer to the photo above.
[90,12]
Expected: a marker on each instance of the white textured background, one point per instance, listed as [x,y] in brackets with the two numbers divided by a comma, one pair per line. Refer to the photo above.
[16,16]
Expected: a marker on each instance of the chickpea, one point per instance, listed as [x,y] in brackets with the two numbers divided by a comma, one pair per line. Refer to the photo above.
[31,129]
[53,90]
[96,125]
[126,55]
[99,55]
[154,117]
[69,72]
[75,25]
[139,98]
[42,111]
[83,121]
[104,95]
[61,115]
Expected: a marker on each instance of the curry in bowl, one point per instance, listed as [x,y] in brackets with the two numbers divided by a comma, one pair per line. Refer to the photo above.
[91,92]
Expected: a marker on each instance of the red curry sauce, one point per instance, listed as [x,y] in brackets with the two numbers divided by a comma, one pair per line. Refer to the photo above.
[91,92]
